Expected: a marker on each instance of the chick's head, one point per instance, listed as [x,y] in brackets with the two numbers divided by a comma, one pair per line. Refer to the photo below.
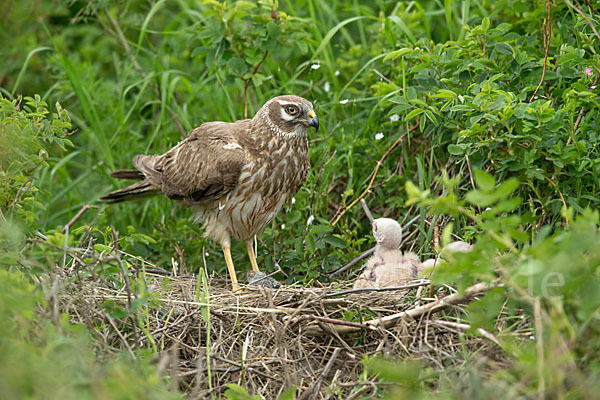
[387,233]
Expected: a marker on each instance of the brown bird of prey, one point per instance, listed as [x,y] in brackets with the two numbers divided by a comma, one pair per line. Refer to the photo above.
[236,176]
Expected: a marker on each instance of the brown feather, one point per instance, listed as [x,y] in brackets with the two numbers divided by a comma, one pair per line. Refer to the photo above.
[203,167]
[128,174]
[135,191]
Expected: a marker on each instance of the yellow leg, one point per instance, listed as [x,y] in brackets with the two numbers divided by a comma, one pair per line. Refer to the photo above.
[230,268]
[250,250]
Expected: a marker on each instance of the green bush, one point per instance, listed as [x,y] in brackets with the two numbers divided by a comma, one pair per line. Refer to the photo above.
[42,358]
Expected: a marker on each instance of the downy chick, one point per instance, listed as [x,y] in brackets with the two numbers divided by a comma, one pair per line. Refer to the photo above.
[454,247]
[387,266]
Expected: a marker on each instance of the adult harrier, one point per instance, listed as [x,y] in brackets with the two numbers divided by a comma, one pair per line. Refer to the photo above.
[235,175]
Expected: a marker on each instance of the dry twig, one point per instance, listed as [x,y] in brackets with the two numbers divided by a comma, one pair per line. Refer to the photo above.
[546,33]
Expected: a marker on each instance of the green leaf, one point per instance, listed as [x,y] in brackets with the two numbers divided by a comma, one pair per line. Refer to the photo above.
[237,66]
[456,149]
[392,55]
[447,234]
[310,244]
[413,113]
[334,241]
[113,309]
[288,394]
[481,198]
[236,392]
[504,48]
[298,246]
[445,94]
[414,194]
[274,30]
[484,181]
[485,24]
[321,229]
[507,187]
[403,27]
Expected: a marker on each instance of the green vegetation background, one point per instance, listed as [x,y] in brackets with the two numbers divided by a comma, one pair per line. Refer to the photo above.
[487,111]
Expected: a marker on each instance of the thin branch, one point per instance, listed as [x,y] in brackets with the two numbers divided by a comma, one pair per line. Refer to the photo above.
[362,255]
[539,337]
[340,322]
[316,386]
[76,217]
[117,258]
[587,19]
[466,327]
[363,203]
[114,325]
[384,289]
[591,8]
[248,80]
[435,306]
[370,185]
[582,111]
[546,33]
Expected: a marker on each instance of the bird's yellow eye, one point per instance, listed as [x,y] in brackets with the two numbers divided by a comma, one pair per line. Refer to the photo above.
[291,109]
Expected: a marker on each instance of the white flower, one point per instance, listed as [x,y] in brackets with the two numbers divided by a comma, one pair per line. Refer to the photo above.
[327,87]
[207,254]
[310,220]
[337,73]
[282,226]
[293,200]
[379,136]
[315,66]
[394,117]
[344,101]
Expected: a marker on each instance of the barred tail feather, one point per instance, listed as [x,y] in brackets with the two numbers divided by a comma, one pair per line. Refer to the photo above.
[128,174]
[136,191]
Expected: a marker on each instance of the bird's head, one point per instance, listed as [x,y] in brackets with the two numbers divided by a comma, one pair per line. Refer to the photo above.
[290,115]
[387,233]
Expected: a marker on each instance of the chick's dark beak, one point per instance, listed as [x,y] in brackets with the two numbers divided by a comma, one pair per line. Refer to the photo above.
[313,121]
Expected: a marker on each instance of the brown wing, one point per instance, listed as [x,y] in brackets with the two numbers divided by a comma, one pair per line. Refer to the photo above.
[203,167]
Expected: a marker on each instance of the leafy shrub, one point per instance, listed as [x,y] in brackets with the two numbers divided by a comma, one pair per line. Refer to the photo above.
[45,359]
[26,133]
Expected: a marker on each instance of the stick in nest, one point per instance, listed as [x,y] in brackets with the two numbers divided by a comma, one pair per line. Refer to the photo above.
[391,320]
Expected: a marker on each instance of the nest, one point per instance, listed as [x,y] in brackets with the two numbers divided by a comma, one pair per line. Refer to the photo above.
[268,340]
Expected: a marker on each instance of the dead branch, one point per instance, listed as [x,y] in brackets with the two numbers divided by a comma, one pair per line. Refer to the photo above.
[438,305]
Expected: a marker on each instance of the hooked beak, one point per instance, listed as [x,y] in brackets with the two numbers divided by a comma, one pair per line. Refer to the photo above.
[313,121]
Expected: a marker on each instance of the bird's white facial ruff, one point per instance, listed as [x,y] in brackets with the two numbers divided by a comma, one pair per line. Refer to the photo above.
[299,129]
